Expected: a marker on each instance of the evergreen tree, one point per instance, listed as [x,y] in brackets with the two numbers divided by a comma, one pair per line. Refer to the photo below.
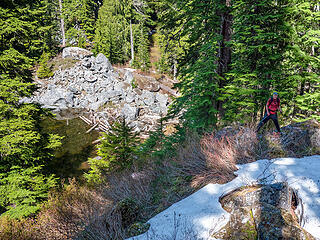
[302,65]
[121,26]
[44,71]
[261,37]
[22,144]
[23,190]
[142,56]
[117,151]
[200,73]
[112,32]
[79,19]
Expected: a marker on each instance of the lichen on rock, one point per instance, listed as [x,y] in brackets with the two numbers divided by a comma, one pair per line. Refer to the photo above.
[262,212]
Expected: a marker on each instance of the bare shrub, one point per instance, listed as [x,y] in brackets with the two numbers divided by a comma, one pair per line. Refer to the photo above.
[22,229]
[213,157]
[71,210]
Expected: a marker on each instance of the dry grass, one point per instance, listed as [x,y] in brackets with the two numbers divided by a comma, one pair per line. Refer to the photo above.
[71,210]
[23,229]
[210,158]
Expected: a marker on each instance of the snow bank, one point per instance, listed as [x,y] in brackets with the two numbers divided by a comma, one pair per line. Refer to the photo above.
[200,214]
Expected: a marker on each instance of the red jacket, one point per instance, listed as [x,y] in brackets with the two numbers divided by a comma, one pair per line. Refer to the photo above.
[273,105]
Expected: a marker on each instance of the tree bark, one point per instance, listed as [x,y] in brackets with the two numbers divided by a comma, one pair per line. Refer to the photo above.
[175,68]
[62,25]
[131,41]
[224,50]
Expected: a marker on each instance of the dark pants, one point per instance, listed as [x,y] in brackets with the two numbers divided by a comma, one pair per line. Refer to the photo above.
[266,118]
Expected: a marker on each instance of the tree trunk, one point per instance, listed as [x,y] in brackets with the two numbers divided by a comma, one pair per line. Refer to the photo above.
[131,41]
[62,25]
[224,50]
[175,68]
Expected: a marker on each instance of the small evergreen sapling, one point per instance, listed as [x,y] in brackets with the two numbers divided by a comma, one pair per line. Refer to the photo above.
[44,70]
[117,151]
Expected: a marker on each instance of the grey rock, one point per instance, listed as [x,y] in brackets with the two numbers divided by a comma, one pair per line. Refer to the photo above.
[146,82]
[76,102]
[130,97]
[264,210]
[75,53]
[106,83]
[104,96]
[119,87]
[92,98]
[69,99]
[87,63]
[137,91]
[128,77]
[96,68]
[148,97]
[103,61]
[61,103]
[53,97]
[155,108]
[84,103]
[96,105]
[129,112]
[162,98]
[89,77]
[73,90]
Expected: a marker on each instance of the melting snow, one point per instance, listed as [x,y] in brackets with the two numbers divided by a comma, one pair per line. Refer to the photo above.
[200,214]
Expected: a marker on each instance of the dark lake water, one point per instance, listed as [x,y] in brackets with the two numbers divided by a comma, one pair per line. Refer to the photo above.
[70,159]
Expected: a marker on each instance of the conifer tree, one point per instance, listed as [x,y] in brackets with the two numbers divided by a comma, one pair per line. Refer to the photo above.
[79,20]
[261,36]
[117,150]
[122,25]
[302,65]
[22,144]
[200,27]
[142,56]
[112,32]
[23,190]
[44,71]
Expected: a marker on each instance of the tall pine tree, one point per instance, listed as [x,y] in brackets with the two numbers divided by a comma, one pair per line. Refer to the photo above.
[122,32]
[203,65]
[261,36]
[22,144]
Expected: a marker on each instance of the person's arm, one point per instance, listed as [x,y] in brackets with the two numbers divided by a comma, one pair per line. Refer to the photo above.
[280,108]
[267,109]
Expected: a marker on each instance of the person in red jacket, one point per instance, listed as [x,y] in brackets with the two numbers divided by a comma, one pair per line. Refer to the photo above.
[272,106]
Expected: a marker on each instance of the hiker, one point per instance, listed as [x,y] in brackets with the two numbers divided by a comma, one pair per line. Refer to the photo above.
[272,107]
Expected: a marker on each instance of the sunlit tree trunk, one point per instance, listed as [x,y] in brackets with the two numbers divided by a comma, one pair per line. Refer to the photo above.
[62,25]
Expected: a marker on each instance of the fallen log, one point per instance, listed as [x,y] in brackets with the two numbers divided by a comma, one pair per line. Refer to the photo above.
[86,120]
[93,127]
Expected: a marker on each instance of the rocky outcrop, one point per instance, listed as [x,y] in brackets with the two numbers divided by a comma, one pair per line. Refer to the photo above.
[262,212]
[296,139]
[75,53]
[93,85]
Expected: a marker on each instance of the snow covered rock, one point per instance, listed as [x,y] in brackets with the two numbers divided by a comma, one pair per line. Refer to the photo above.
[264,211]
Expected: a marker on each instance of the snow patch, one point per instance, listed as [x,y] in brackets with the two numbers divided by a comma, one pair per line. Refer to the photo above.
[200,214]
